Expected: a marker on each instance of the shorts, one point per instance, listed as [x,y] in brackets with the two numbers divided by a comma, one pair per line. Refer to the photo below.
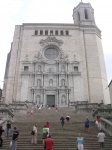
[101,144]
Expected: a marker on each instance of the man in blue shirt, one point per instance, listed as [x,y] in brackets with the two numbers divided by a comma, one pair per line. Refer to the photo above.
[87,125]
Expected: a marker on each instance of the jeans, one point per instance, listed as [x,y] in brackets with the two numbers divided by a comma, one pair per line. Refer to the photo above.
[34,139]
[8,132]
[14,145]
[101,144]
[62,124]
[80,147]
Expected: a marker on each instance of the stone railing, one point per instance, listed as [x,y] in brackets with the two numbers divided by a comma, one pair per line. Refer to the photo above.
[3,105]
[5,115]
[106,119]
[29,103]
[106,113]
[85,106]
[106,126]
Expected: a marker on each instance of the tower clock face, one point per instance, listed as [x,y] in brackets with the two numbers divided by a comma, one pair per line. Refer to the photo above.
[51,53]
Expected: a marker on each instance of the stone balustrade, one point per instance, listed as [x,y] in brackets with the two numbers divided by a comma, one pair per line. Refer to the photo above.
[106,126]
[106,113]
[85,106]
[5,115]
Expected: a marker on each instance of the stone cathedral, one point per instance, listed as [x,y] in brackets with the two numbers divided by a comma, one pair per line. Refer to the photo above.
[54,64]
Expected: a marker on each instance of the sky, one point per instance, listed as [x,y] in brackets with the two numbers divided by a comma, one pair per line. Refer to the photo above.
[16,12]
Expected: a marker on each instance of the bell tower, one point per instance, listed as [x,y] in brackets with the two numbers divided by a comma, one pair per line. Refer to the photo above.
[83,14]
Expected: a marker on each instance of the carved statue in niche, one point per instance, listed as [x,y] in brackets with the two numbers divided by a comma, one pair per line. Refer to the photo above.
[63,82]
[50,69]
[39,68]
[62,68]
[50,82]
[39,99]
[75,59]
[38,82]
[63,100]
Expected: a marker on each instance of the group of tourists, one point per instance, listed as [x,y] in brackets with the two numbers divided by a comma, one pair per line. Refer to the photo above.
[8,128]
[13,142]
[48,142]
[101,136]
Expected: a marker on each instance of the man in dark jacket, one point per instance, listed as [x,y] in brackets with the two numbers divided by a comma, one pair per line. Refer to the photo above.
[62,119]
[1,131]
[14,139]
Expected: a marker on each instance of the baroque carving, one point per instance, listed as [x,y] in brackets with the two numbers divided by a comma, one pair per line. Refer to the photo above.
[51,40]
[63,100]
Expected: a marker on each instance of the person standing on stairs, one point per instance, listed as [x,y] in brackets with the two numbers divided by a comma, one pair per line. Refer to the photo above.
[1,131]
[48,143]
[47,125]
[101,137]
[62,119]
[45,133]
[14,139]
[87,125]
[68,118]
[8,128]
[98,123]
[34,135]
[80,141]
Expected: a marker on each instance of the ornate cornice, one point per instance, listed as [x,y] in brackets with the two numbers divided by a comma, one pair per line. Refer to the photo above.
[51,40]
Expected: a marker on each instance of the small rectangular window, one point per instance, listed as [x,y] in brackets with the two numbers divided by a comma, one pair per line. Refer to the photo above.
[75,68]
[26,68]
[46,32]
[51,32]
[41,32]
[61,32]
[56,32]
[36,32]
[67,33]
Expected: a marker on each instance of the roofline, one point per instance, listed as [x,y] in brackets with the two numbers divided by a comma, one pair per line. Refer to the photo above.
[60,24]
[48,24]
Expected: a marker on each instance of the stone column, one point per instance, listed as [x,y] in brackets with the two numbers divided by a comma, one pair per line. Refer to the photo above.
[44,97]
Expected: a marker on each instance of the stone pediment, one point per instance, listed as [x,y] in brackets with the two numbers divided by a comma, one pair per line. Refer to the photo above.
[51,40]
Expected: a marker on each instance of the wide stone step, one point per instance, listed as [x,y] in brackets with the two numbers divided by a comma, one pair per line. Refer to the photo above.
[64,139]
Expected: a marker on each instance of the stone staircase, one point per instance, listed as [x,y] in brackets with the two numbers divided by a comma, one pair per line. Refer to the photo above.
[64,139]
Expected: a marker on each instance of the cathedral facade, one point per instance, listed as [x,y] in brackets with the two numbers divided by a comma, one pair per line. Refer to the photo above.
[54,64]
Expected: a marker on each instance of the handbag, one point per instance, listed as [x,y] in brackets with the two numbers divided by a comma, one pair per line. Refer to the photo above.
[32,133]
[96,122]
[10,144]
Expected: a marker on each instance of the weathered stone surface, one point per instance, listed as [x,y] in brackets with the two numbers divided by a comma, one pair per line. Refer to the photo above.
[72,70]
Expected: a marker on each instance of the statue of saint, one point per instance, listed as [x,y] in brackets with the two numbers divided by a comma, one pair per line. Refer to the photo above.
[50,82]
[63,68]
[38,82]
[62,82]
[63,100]
[39,68]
